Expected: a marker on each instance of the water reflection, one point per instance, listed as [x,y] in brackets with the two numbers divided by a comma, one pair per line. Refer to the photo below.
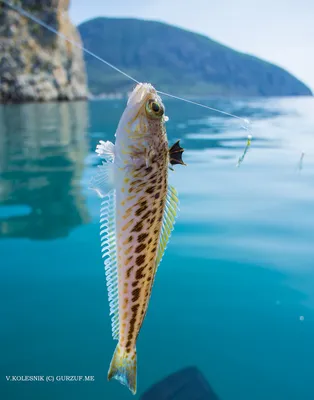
[42,151]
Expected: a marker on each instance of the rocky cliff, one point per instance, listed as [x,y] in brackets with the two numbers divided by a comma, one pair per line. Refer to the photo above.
[36,64]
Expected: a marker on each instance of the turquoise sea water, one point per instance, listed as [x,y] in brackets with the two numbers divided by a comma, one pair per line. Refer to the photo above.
[234,294]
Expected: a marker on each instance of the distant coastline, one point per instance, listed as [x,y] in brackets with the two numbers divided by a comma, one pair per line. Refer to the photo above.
[177,61]
[37,66]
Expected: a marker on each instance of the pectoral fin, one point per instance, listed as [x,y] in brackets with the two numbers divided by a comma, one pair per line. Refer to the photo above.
[106,150]
[103,181]
[175,154]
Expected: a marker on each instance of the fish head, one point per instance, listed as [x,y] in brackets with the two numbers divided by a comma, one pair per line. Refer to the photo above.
[145,102]
[142,121]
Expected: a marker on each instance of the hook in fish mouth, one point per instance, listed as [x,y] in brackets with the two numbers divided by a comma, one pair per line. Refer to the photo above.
[175,154]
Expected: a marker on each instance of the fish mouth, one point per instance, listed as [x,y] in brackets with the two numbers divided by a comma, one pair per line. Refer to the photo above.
[142,93]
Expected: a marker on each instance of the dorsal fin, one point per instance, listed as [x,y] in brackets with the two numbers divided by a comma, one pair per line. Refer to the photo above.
[109,250]
[171,209]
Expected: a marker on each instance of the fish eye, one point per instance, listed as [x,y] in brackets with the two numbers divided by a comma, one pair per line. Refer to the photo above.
[154,109]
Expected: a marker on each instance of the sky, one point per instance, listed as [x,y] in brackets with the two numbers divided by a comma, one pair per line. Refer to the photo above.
[279,31]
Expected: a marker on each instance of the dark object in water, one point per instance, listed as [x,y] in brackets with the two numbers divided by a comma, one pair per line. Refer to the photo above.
[175,153]
[186,384]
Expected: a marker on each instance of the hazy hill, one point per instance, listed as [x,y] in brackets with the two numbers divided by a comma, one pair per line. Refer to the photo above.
[177,60]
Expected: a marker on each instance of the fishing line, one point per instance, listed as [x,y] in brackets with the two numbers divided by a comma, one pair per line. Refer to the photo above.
[246,121]
[51,29]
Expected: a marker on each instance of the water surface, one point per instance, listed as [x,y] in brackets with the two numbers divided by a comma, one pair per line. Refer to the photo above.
[234,294]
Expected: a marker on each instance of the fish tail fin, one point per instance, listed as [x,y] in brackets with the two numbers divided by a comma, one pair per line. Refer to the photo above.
[123,368]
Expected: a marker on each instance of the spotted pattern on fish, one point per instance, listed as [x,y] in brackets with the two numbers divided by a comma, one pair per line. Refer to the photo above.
[137,219]
[142,226]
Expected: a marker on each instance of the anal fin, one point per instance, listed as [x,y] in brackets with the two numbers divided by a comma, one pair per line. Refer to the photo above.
[170,214]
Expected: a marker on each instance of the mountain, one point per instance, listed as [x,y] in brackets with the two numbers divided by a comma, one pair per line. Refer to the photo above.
[176,60]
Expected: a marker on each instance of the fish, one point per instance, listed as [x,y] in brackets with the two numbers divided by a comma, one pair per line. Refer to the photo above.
[137,216]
